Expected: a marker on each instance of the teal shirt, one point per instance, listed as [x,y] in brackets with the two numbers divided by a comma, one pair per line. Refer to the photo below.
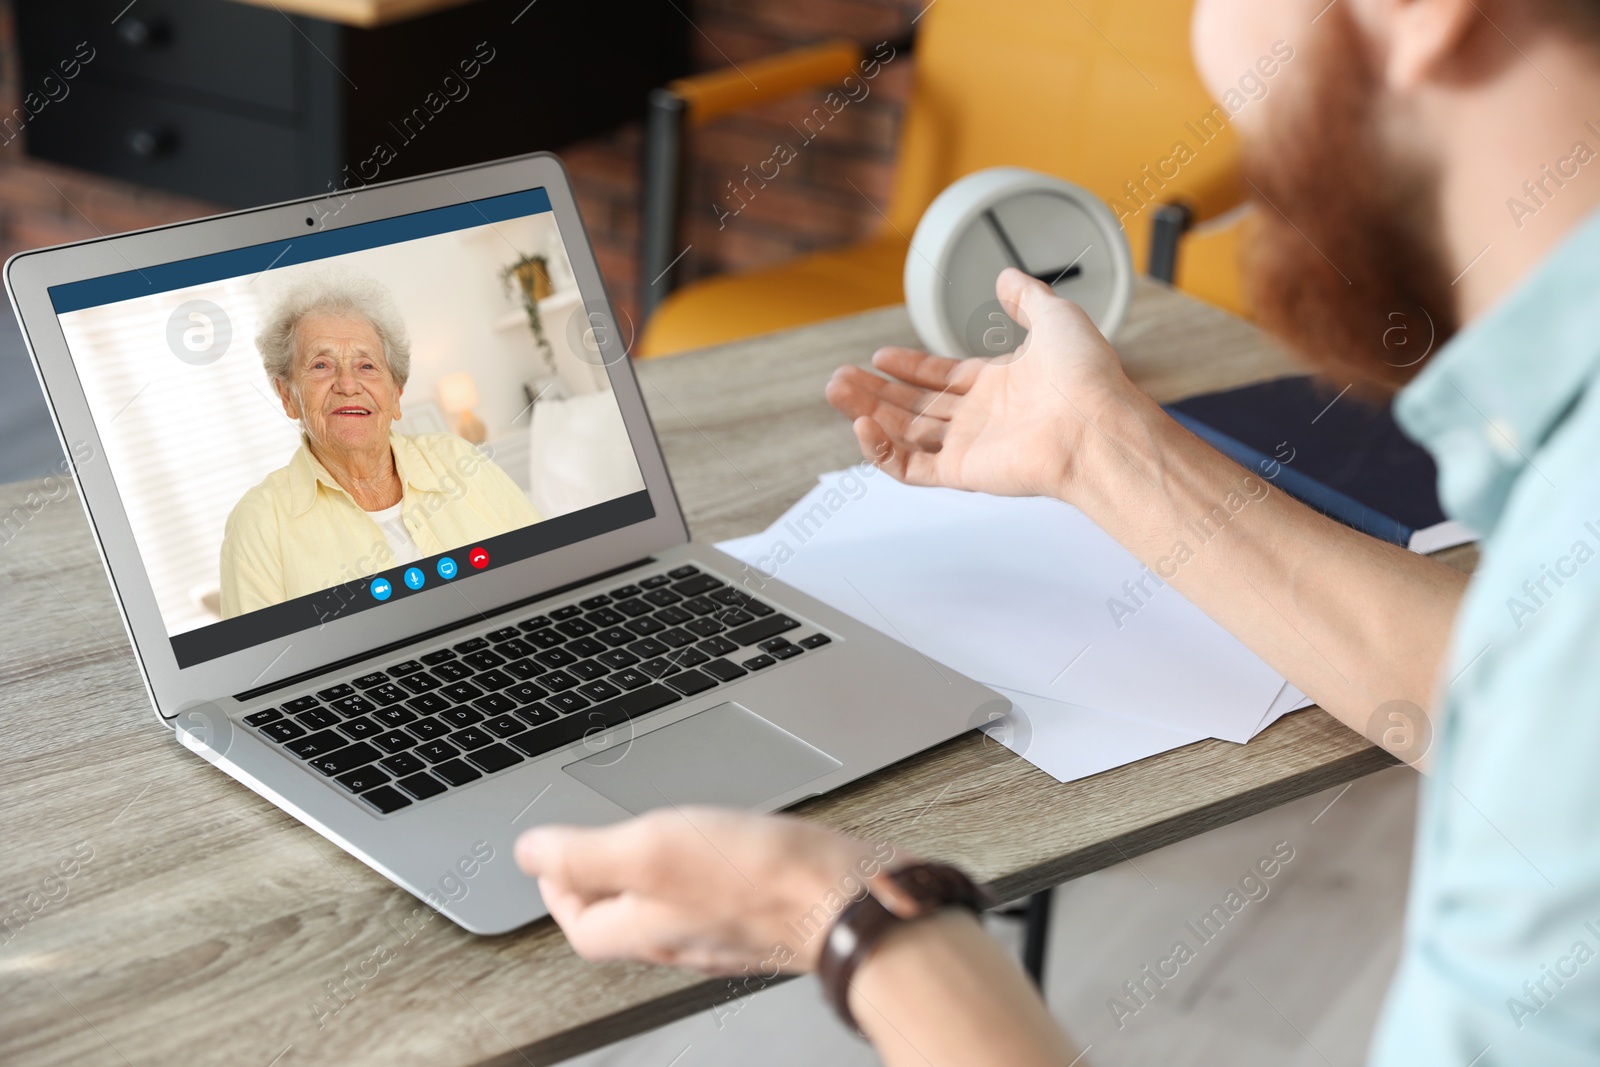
[1501,961]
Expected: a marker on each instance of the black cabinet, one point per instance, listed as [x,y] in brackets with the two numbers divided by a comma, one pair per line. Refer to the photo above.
[241,104]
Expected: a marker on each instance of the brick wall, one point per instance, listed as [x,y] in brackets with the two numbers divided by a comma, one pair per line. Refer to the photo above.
[829,194]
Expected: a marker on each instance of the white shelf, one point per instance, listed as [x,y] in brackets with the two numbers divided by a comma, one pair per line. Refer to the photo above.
[555,302]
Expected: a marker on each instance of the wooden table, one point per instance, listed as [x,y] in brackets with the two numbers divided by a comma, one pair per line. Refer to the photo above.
[206,922]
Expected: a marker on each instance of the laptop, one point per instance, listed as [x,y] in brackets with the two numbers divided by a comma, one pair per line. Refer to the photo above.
[397,549]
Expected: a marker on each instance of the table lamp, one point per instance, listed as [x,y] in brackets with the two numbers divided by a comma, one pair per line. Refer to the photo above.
[458,395]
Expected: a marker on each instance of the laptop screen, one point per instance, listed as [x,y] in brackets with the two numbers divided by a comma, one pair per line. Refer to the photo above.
[320,426]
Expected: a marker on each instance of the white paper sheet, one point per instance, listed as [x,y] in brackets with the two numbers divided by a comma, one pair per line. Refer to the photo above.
[1069,742]
[1016,594]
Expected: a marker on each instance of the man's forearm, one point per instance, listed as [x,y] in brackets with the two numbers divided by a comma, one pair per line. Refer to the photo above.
[940,992]
[1352,621]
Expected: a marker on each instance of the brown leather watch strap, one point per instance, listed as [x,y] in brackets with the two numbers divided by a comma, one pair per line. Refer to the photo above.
[865,922]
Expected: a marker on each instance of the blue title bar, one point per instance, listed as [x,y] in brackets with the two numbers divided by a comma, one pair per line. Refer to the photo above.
[164,277]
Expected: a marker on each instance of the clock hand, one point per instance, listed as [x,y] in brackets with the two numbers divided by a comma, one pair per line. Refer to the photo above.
[1071,270]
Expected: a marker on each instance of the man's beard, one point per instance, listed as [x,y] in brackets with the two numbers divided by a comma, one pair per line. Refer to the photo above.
[1344,259]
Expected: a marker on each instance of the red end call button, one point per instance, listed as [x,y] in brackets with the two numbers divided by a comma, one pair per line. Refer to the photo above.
[478,558]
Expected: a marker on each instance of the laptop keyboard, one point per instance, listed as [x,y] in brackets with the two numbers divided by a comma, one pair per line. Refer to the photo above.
[453,716]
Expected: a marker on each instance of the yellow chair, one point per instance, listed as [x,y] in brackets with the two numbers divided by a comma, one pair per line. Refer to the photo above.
[1100,92]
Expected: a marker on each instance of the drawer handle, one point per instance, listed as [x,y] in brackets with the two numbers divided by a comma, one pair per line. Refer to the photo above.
[148,143]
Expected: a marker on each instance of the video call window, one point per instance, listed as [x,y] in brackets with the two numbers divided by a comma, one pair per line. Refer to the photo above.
[321,420]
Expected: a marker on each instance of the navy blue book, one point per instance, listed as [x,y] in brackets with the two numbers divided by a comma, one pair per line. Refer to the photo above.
[1344,457]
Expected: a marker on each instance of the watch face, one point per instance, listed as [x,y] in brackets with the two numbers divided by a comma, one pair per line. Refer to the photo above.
[1048,235]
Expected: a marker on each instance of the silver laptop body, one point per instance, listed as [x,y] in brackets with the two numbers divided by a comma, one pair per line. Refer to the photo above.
[799,699]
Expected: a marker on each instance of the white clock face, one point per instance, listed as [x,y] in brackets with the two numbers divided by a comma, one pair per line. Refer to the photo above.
[1002,218]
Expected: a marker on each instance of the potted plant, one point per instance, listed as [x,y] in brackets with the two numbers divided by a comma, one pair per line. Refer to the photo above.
[531,276]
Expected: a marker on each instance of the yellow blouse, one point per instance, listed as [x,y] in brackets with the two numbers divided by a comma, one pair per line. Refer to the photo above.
[299,531]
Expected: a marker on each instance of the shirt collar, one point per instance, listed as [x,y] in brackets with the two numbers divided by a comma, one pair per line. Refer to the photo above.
[1487,401]
[306,471]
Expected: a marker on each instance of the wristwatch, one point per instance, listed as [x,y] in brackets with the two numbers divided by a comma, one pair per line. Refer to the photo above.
[865,922]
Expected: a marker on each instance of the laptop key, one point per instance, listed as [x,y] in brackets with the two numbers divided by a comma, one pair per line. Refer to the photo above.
[427,704]
[630,678]
[315,719]
[421,785]
[555,657]
[673,616]
[410,666]
[538,622]
[363,778]
[482,661]
[556,681]
[548,638]
[622,592]
[691,682]
[772,644]
[599,690]
[724,671]
[717,646]
[703,583]
[524,669]
[662,598]
[396,716]
[646,647]
[515,648]
[494,704]
[335,692]
[815,641]
[731,617]
[588,670]
[471,644]
[700,605]
[494,678]
[456,772]
[283,730]
[386,694]
[683,572]
[385,799]
[644,626]
[261,718]
[433,659]
[762,629]
[525,692]
[470,738]
[677,637]
[360,728]
[429,729]
[317,744]
[536,715]
[585,646]
[755,663]
[401,764]
[394,740]
[566,611]
[367,681]
[566,703]
[505,633]
[504,725]
[453,671]
[300,704]
[659,667]
[616,636]
[787,651]
[345,759]
[421,682]
[494,758]
[576,627]
[461,692]
[634,608]
[606,617]
[459,717]
[353,705]
[617,659]
[594,602]
[437,751]
[704,627]
[655,581]
[688,657]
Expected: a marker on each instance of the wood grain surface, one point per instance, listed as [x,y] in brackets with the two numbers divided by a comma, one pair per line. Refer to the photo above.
[200,924]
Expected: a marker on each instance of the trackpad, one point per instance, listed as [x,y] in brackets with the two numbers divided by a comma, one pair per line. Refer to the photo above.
[725,755]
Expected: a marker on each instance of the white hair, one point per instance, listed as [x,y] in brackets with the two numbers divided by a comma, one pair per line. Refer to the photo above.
[336,295]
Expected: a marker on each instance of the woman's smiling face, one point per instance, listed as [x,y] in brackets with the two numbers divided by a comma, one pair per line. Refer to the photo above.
[341,388]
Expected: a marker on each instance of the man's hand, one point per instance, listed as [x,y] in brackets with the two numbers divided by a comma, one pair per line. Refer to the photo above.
[1008,425]
[704,888]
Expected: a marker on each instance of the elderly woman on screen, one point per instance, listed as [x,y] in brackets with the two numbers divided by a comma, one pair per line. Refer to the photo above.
[356,497]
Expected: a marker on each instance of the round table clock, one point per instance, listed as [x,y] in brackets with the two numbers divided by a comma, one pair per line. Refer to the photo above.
[1010,217]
